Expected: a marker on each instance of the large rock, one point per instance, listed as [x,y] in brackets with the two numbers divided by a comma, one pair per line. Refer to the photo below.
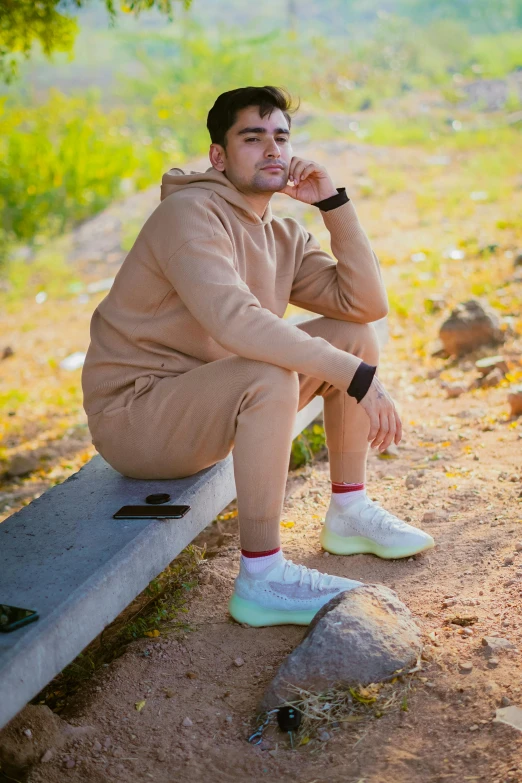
[468,327]
[360,636]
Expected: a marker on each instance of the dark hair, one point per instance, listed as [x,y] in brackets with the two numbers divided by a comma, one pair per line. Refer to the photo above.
[224,112]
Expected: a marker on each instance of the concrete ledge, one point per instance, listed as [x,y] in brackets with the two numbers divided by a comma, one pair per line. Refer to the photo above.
[65,556]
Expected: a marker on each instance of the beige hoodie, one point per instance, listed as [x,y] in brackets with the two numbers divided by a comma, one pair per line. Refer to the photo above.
[208,278]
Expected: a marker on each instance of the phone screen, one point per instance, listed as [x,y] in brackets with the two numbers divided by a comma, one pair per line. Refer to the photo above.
[12,617]
[151,512]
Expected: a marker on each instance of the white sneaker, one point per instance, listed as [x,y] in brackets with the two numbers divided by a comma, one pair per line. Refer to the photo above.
[283,593]
[365,527]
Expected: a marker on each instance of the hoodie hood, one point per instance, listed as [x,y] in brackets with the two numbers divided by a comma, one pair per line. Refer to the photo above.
[176,179]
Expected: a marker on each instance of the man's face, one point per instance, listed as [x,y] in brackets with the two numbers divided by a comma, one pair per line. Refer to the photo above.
[258,152]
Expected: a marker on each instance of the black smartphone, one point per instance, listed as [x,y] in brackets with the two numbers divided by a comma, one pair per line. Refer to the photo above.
[151,512]
[13,617]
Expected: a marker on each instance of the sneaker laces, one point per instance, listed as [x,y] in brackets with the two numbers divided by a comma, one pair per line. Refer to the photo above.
[376,515]
[315,577]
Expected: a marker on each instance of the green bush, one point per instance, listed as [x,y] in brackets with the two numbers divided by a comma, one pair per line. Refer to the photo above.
[308,443]
[64,161]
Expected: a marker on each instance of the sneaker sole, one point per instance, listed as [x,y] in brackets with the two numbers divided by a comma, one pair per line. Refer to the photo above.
[358,545]
[250,613]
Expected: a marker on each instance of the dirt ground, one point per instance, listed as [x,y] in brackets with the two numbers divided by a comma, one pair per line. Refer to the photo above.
[446,733]
[457,474]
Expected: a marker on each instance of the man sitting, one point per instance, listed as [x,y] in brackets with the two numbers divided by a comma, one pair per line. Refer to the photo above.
[190,357]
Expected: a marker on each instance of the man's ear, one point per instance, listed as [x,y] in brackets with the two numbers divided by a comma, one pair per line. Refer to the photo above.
[217,156]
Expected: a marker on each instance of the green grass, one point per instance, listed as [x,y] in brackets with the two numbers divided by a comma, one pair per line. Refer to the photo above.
[306,445]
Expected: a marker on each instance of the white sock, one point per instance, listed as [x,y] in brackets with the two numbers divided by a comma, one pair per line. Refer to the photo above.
[345,499]
[254,565]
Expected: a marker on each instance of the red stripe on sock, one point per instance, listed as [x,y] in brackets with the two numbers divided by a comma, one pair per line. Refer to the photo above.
[336,488]
[260,554]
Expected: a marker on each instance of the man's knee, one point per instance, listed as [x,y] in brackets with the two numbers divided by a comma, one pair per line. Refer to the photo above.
[279,381]
[361,340]
[371,347]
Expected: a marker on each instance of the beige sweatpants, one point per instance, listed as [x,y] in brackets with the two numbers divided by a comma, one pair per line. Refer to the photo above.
[175,427]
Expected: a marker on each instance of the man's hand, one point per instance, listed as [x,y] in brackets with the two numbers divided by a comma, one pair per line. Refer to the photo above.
[385,424]
[311,182]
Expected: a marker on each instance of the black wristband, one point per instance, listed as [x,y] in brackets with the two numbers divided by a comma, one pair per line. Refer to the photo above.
[361,381]
[332,202]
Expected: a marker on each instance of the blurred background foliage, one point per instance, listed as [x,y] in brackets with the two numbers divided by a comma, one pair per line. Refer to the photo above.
[125,97]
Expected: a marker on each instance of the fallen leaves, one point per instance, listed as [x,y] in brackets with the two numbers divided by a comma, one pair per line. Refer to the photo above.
[139,705]
[228,515]
[464,622]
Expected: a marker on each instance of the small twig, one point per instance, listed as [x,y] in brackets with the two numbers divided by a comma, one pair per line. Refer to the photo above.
[9,777]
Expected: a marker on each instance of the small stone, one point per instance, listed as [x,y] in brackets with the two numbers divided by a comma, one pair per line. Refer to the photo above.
[70,763]
[496,644]
[187,722]
[411,481]
[21,465]
[465,667]
[454,390]
[28,733]
[493,663]
[474,727]
[449,602]
[505,701]
[192,675]
[508,561]
[161,754]
[433,516]
[323,735]
[47,756]
[239,662]
[107,742]
[229,719]
[97,747]
[484,366]
[511,715]
[469,326]
[7,352]
[493,378]
[326,554]
[518,546]
[515,400]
